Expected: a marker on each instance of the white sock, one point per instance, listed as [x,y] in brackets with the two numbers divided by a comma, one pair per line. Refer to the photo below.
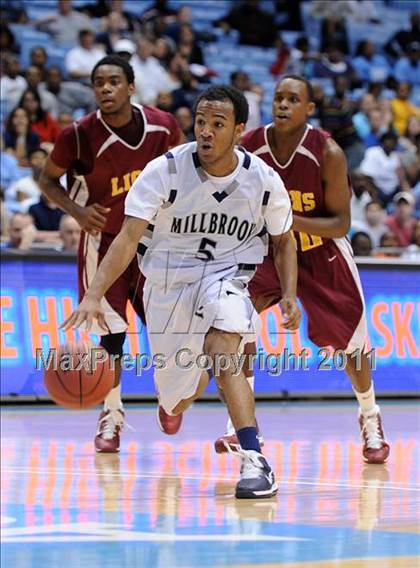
[113,399]
[230,430]
[367,400]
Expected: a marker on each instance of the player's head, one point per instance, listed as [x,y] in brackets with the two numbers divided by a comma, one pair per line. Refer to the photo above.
[292,103]
[113,83]
[221,113]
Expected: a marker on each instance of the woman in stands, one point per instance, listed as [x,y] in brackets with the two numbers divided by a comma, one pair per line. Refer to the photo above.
[42,122]
[19,138]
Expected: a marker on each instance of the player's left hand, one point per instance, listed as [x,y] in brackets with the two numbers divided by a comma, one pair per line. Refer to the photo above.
[88,310]
[291,313]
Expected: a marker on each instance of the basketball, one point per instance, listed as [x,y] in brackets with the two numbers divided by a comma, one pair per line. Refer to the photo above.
[79,376]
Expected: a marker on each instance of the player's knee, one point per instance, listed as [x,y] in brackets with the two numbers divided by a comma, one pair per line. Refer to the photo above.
[218,341]
[113,343]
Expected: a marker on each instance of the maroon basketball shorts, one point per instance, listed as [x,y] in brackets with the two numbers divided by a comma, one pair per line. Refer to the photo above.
[330,291]
[128,287]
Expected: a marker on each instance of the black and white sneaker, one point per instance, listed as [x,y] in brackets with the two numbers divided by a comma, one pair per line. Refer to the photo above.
[257,478]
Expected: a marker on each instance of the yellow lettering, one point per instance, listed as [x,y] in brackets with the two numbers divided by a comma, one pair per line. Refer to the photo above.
[127,182]
[121,185]
[296,199]
[308,242]
[308,201]
[116,189]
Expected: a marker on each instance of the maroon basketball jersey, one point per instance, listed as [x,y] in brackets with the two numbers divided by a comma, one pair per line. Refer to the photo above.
[302,175]
[102,165]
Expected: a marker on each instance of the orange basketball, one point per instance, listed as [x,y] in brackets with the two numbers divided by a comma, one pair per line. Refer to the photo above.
[79,375]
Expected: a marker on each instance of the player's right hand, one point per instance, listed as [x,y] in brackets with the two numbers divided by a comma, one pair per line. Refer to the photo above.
[92,219]
[88,310]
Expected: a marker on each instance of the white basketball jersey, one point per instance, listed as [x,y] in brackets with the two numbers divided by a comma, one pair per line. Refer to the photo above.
[201,224]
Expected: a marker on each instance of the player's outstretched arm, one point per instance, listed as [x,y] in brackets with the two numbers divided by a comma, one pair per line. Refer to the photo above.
[116,260]
[91,219]
[336,194]
[285,260]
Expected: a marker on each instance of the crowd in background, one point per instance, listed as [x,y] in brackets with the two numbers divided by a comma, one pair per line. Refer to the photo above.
[366,100]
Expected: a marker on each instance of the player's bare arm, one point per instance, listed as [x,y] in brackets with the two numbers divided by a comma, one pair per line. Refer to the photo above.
[91,218]
[285,260]
[337,197]
[116,260]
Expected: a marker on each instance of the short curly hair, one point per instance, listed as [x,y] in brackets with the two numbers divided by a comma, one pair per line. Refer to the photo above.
[227,93]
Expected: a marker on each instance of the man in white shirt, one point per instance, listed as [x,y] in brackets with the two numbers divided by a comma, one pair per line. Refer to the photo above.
[151,77]
[65,24]
[12,84]
[198,217]
[382,163]
[26,192]
[82,59]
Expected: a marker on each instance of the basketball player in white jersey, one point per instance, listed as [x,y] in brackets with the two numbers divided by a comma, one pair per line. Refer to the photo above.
[201,214]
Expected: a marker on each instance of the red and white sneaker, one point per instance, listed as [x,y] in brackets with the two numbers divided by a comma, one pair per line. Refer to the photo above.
[167,423]
[110,424]
[229,441]
[375,449]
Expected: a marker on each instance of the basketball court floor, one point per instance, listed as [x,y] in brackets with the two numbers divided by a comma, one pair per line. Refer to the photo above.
[168,501]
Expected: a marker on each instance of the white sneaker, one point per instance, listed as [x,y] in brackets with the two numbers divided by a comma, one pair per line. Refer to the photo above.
[257,478]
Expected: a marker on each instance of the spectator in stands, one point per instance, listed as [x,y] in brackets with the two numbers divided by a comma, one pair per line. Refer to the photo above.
[397,46]
[382,163]
[4,216]
[26,192]
[336,118]
[131,22]
[114,28]
[164,51]
[42,122]
[22,232]
[300,57]
[377,127]
[7,40]
[361,244]
[288,15]
[12,84]
[242,82]
[151,77]
[282,58]
[407,69]
[185,120]
[402,108]
[125,48]
[70,95]
[374,222]
[255,26]
[19,138]
[9,167]
[159,9]
[370,66]
[48,101]
[361,118]
[39,58]
[364,191]
[188,46]
[409,147]
[333,23]
[64,119]
[172,28]
[70,233]
[388,241]
[82,59]
[165,101]
[402,222]
[46,215]
[187,94]
[65,24]
[333,64]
